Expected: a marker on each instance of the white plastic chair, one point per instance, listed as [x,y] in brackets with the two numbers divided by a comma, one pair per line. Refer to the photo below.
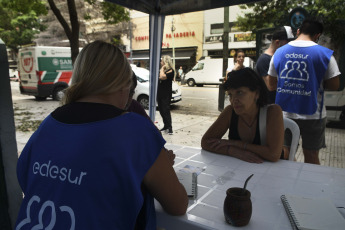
[290,124]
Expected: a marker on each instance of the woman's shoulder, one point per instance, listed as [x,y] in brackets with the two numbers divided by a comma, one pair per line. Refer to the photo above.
[228,109]
[274,110]
[227,112]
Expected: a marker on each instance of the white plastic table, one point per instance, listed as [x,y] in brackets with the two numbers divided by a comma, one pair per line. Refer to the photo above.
[269,182]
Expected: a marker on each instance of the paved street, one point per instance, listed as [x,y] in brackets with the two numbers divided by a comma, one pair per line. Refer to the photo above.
[191,118]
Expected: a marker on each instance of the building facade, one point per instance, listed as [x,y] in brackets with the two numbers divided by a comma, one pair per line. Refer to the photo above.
[183,33]
[213,34]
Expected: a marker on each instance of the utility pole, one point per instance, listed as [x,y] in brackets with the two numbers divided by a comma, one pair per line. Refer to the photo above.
[173,41]
[221,93]
[130,39]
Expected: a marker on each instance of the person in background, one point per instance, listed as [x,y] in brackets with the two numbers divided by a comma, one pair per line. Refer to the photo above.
[90,164]
[248,94]
[238,62]
[164,92]
[301,71]
[280,37]
[180,73]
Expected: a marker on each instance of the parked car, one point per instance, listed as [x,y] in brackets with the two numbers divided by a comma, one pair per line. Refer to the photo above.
[142,91]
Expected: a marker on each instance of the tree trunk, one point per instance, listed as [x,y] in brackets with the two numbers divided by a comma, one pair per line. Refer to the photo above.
[72,32]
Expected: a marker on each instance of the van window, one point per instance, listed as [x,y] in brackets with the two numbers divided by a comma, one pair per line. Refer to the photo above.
[198,66]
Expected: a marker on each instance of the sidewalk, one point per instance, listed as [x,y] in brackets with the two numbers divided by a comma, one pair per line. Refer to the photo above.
[189,129]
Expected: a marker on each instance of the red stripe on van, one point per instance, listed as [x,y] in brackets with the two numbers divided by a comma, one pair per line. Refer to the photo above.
[47,83]
[65,76]
[29,87]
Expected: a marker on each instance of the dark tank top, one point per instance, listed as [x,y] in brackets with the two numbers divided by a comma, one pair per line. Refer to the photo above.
[234,135]
[233,131]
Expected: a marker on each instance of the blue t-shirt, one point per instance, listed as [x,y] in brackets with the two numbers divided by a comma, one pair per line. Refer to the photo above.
[87,176]
[300,74]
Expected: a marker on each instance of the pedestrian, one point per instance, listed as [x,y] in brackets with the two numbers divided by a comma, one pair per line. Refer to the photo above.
[180,73]
[166,76]
[280,37]
[91,165]
[301,71]
[238,62]
[241,119]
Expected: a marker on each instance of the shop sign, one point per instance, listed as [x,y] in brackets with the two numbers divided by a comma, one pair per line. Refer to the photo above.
[181,35]
[212,39]
[244,37]
[165,44]
[141,38]
[146,38]
[297,16]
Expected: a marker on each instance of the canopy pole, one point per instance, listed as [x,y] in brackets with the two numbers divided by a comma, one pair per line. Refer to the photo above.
[156,38]
[10,191]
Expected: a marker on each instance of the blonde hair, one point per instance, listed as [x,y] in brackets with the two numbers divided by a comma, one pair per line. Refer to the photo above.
[100,68]
[167,62]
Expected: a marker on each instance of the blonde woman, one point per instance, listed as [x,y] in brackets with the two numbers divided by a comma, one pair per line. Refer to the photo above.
[91,165]
[164,92]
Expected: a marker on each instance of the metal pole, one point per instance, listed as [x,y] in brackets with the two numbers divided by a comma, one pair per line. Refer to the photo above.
[130,39]
[10,192]
[156,37]
[173,42]
[221,92]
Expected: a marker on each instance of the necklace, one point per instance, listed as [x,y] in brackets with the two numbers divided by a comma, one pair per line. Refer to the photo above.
[248,125]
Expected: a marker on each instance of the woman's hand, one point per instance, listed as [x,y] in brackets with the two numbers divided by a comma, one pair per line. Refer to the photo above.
[248,156]
[237,66]
[171,156]
[162,75]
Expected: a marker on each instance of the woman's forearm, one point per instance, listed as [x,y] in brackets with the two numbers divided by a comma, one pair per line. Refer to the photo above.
[264,151]
[238,148]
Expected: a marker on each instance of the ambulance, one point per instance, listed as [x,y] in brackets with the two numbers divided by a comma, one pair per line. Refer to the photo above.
[44,71]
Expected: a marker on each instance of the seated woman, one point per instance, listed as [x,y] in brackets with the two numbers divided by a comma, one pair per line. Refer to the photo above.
[247,93]
[92,165]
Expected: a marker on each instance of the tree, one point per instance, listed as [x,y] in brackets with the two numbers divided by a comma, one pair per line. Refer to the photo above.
[275,13]
[112,13]
[72,30]
[19,21]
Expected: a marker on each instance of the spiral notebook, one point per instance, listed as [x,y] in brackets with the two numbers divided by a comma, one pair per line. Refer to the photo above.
[307,213]
[190,182]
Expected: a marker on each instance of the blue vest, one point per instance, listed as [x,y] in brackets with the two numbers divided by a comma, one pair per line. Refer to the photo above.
[300,74]
[88,176]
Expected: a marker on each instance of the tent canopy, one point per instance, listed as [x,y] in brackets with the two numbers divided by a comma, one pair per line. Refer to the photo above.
[169,7]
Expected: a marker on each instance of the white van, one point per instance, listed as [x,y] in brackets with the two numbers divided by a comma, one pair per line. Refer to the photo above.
[335,105]
[209,71]
[44,71]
